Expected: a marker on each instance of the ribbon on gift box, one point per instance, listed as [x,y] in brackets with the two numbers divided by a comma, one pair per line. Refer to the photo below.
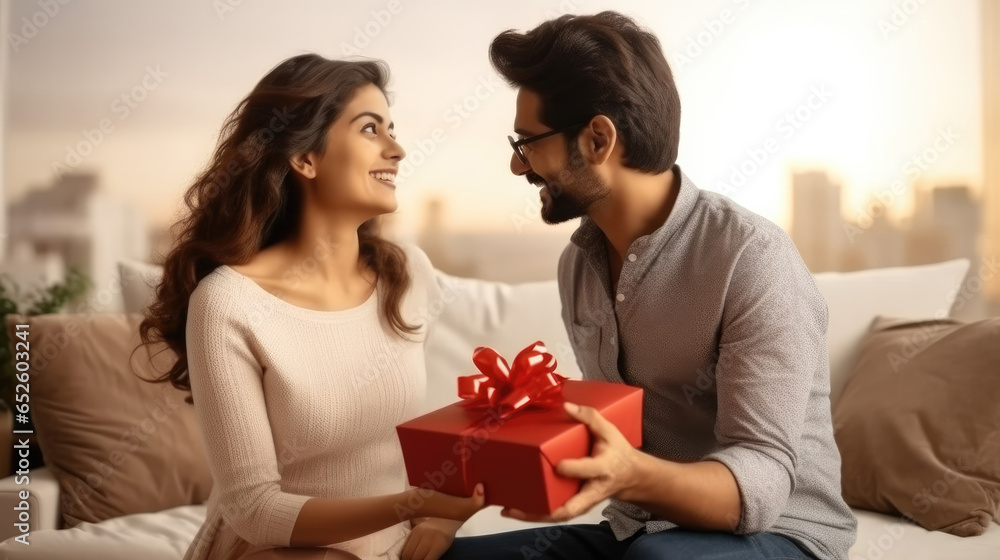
[507,389]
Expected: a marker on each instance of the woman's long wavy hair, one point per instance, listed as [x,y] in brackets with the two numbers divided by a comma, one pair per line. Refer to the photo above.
[247,199]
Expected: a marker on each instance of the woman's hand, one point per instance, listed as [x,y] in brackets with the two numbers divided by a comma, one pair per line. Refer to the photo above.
[446,506]
[430,538]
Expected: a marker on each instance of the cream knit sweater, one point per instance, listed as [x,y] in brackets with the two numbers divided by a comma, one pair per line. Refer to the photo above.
[295,403]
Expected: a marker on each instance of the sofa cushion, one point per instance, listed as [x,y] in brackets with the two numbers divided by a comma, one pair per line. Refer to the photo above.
[854,299]
[116,443]
[919,427]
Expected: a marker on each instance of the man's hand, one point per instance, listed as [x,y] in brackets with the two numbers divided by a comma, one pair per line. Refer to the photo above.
[430,538]
[609,471]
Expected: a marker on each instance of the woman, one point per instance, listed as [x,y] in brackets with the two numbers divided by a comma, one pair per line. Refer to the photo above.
[297,328]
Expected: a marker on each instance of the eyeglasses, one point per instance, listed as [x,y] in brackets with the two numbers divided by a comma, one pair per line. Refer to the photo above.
[516,144]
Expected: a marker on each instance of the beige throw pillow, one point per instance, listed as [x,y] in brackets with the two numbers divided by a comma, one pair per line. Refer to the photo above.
[117,444]
[918,425]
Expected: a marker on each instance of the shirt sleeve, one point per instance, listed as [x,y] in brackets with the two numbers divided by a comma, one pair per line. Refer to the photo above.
[226,384]
[772,341]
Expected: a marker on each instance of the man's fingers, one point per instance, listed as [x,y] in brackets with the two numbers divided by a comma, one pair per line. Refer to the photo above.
[597,423]
[522,516]
[588,497]
[585,467]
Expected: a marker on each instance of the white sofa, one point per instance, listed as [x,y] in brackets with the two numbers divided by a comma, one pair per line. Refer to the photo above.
[508,317]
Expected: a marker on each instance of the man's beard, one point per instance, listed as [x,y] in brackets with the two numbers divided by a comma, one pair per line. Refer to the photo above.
[575,190]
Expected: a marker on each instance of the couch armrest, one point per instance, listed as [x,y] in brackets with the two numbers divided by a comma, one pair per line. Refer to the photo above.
[43,503]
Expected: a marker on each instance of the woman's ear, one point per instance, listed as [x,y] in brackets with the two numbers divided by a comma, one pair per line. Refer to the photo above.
[597,140]
[304,164]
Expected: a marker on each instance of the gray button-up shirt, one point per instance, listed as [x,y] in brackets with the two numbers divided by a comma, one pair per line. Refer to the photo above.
[719,321]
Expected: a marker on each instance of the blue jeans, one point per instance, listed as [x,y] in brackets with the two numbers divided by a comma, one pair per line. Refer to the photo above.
[597,542]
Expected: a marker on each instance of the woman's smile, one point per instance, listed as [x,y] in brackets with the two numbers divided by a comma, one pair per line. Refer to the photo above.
[384,176]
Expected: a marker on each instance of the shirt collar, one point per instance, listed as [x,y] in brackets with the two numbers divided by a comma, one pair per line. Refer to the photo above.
[589,237]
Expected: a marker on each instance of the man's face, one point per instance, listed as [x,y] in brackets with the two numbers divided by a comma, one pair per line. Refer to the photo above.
[569,186]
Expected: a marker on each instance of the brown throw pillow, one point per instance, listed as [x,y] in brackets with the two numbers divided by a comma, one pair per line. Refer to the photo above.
[918,424]
[117,444]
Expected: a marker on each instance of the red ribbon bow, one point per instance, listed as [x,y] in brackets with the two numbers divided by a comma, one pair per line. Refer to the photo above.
[531,380]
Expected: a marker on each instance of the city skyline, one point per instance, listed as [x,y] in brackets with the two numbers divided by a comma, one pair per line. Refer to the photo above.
[851,96]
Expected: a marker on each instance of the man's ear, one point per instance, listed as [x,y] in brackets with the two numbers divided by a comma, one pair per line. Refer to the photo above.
[304,164]
[597,140]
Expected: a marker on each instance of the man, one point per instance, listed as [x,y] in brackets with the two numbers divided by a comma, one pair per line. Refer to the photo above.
[702,303]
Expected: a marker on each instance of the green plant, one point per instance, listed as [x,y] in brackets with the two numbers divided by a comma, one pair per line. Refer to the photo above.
[43,300]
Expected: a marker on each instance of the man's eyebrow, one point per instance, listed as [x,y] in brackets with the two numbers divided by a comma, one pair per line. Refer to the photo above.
[375,116]
[521,131]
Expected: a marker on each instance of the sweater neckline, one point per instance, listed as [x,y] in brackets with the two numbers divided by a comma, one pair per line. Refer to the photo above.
[339,314]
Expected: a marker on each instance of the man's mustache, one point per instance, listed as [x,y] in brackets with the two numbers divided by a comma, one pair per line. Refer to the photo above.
[535,179]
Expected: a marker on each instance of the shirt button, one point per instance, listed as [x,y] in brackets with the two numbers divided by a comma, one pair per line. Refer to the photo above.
[621,297]
[632,257]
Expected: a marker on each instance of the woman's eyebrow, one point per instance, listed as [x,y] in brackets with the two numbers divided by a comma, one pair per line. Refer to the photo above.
[375,116]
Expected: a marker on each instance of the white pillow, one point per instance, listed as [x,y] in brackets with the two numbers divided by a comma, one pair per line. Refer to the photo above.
[506,317]
[163,535]
[138,281]
[854,300]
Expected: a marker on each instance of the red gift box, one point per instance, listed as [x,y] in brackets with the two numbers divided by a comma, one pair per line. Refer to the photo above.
[511,431]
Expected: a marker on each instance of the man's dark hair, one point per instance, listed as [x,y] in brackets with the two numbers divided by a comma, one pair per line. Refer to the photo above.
[604,64]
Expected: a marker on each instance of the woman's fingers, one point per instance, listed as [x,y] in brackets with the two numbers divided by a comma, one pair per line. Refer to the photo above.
[423,547]
[411,545]
[438,548]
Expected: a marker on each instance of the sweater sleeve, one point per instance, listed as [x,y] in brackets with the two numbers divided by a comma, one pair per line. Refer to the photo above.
[226,384]
[772,340]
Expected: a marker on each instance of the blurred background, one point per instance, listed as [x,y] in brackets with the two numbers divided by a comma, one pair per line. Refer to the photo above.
[867,129]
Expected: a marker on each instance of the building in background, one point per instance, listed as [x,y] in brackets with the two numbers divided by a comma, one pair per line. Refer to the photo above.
[74,224]
[438,243]
[946,223]
[957,213]
[817,226]
[516,256]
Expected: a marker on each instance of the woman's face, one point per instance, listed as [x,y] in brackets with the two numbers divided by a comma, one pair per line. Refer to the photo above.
[357,171]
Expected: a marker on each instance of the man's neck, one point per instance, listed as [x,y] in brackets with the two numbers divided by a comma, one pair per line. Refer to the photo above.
[639,204]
